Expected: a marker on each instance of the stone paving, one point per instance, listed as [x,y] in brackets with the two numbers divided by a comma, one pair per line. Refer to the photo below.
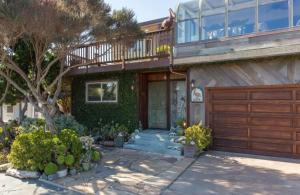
[124,171]
[234,174]
[14,186]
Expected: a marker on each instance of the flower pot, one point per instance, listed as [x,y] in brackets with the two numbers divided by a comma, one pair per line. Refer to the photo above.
[62,173]
[119,141]
[190,151]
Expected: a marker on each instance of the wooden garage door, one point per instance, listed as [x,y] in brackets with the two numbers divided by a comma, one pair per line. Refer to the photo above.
[261,120]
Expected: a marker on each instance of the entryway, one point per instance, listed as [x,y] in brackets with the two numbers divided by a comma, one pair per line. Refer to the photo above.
[162,99]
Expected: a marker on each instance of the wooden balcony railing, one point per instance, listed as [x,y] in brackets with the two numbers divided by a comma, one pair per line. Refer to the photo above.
[154,45]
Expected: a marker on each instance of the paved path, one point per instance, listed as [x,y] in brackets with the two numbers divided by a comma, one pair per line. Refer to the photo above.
[228,173]
[13,186]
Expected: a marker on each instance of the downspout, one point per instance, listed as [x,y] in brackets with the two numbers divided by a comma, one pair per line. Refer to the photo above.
[171,65]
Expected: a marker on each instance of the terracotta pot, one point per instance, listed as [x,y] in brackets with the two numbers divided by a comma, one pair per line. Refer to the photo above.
[190,151]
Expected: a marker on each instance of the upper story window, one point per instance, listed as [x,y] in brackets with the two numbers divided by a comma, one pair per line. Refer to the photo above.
[214,19]
[98,92]
[296,12]
[241,17]
[188,22]
[273,15]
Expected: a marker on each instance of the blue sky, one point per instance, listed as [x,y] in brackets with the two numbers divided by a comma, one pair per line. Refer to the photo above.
[146,9]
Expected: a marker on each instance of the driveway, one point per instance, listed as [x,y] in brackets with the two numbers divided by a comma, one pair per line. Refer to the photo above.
[13,186]
[229,173]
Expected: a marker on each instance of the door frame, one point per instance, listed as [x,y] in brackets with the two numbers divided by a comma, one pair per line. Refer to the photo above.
[143,95]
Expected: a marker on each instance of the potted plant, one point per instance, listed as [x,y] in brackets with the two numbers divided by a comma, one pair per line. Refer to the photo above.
[63,171]
[197,138]
[120,132]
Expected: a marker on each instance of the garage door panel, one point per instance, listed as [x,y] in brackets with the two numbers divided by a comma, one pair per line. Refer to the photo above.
[281,135]
[230,108]
[267,122]
[284,148]
[271,121]
[229,119]
[271,95]
[271,108]
[298,149]
[297,122]
[230,143]
[230,132]
[297,94]
[230,96]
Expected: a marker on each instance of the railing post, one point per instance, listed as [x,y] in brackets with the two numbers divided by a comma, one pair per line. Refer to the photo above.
[123,55]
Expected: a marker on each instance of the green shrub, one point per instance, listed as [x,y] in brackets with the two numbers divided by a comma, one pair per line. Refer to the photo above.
[9,133]
[32,124]
[69,122]
[60,160]
[50,168]
[70,139]
[96,156]
[31,151]
[70,160]
[199,136]
[3,157]
[181,122]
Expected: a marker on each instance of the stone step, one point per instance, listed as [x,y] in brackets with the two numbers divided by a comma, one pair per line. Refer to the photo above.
[156,142]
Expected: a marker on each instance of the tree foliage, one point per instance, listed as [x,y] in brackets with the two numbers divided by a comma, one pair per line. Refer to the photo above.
[50,30]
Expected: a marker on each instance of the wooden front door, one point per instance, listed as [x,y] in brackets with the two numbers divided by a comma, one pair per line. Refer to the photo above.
[157,105]
[260,120]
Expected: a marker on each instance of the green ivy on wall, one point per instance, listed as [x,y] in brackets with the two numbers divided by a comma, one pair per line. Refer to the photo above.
[124,112]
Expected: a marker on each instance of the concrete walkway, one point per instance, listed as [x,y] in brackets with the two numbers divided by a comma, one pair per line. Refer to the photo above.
[229,173]
[13,186]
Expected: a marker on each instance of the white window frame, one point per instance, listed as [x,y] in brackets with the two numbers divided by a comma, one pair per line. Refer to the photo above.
[101,82]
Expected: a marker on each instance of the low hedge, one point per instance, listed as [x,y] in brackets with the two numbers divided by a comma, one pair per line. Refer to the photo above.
[35,150]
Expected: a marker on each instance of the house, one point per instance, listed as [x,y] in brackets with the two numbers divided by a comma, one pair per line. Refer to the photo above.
[233,65]
[10,112]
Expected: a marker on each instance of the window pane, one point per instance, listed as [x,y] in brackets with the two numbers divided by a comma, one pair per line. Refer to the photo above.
[94,92]
[273,15]
[188,10]
[296,12]
[213,19]
[188,31]
[241,17]
[109,91]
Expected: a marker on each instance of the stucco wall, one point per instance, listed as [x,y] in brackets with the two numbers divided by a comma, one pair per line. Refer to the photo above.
[274,71]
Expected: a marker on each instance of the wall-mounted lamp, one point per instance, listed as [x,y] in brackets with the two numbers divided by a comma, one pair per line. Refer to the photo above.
[193,83]
[133,85]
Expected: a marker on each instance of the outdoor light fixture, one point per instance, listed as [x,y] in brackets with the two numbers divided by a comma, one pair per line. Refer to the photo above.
[193,83]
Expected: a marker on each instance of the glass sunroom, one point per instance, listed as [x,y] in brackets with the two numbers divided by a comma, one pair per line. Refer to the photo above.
[214,19]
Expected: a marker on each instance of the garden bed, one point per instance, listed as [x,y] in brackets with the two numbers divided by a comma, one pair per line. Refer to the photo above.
[3,157]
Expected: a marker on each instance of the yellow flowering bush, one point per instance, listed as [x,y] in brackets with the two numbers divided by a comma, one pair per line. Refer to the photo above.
[199,136]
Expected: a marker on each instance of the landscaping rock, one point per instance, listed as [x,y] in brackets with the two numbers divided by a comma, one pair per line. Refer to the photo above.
[23,174]
[62,173]
[73,172]
[4,167]
[43,176]
[53,177]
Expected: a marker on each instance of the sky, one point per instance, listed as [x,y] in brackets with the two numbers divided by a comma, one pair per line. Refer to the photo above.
[146,9]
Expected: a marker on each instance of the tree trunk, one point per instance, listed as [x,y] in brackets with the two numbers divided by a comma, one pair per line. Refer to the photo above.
[49,120]
[23,110]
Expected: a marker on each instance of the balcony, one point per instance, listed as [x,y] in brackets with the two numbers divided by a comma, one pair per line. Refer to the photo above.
[153,50]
